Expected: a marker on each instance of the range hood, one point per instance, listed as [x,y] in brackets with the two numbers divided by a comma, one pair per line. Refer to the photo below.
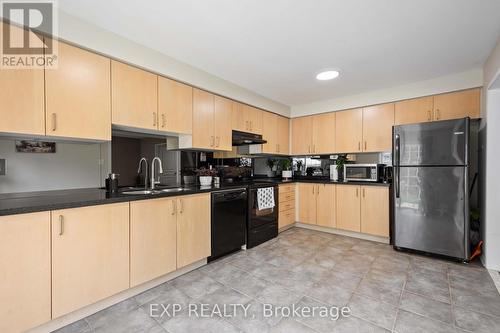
[245,139]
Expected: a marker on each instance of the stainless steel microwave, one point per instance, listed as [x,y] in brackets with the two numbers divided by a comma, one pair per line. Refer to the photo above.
[363,172]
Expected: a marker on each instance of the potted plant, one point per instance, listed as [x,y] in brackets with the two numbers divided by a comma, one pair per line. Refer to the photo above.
[206,176]
[286,168]
[271,164]
[341,160]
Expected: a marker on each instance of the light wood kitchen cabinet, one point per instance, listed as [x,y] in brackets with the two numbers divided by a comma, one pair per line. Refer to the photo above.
[246,118]
[348,198]
[377,127]
[325,202]
[22,96]
[90,255]
[193,229]
[375,210]
[349,131]
[458,104]
[134,97]
[77,95]
[153,234]
[286,197]
[211,121]
[175,106]
[301,135]
[412,111]
[283,135]
[307,202]
[25,271]
[323,133]
[270,132]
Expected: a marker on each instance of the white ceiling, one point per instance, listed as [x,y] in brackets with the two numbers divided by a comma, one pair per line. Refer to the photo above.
[275,48]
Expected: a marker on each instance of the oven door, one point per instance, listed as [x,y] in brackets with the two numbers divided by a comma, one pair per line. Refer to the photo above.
[359,173]
[258,217]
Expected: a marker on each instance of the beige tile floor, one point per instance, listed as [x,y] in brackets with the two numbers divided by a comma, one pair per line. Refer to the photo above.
[386,291]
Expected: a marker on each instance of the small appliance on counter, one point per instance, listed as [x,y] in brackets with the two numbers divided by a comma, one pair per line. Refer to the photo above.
[363,172]
[112,183]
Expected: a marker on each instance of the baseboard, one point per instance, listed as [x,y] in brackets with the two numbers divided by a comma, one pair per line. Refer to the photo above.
[285,228]
[353,234]
[112,300]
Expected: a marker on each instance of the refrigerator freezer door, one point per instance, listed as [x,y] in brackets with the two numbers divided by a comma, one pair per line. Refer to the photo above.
[432,144]
[430,212]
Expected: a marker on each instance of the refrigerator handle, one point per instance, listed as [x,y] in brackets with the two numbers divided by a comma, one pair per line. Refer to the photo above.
[397,161]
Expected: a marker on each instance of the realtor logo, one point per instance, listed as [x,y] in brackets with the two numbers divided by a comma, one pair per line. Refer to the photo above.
[27,34]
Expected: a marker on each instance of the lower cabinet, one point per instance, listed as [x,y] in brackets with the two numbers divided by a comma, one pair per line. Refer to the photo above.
[348,207]
[286,215]
[153,234]
[307,202]
[375,210]
[25,271]
[90,255]
[193,229]
[317,204]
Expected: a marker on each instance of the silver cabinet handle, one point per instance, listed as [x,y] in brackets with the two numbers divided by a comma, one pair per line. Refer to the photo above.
[429,113]
[363,192]
[61,225]
[317,189]
[163,120]
[174,207]
[154,119]
[357,192]
[359,145]
[218,141]
[438,114]
[313,189]
[181,208]
[365,145]
[54,122]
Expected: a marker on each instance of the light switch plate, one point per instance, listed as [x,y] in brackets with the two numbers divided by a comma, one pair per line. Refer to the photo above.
[2,166]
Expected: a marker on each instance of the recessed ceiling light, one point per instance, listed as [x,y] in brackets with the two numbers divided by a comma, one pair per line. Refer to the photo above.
[327,75]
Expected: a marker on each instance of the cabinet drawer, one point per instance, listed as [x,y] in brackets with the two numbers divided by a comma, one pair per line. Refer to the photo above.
[286,188]
[286,217]
[288,196]
[287,205]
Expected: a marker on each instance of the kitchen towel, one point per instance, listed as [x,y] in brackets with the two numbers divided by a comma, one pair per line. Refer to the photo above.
[265,198]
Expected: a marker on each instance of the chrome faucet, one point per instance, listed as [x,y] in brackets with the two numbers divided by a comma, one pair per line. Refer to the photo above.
[160,170]
[146,170]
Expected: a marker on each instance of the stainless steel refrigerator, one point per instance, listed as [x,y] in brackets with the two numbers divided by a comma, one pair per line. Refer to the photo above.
[431,187]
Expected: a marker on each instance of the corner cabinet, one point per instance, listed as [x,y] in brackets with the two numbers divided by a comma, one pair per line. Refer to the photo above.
[90,255]
[175,106]
[134,97]
[77,95]
[25,271]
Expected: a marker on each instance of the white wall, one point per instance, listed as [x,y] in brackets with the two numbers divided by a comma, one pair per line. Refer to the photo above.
[491,127]
[469,79]
[74,165]
[89,36]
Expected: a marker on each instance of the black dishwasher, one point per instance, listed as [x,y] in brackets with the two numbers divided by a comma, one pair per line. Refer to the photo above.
[229,216]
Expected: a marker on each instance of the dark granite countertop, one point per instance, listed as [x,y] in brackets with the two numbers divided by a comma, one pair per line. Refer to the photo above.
[29,202]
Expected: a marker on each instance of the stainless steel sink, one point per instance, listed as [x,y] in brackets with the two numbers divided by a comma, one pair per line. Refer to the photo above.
[171,190]
[139,192]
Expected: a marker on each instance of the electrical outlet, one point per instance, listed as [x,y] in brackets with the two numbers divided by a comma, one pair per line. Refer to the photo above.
[2,166]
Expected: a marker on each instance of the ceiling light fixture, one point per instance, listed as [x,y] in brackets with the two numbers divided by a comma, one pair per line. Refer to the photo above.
[327,75]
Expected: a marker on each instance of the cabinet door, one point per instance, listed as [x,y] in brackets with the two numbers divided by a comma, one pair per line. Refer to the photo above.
[193,229]
[254,117]
[283,135]
[153,230]
[412,111]
[175,106]
[348,199]
[377,127]
[22,96]
[270,132]
[457,105]
[25,271]
[203,119]
[239,121]
[77,95]
[223,131]
[326,205]
[301,135]
[375,210]
[133,96]
[307,202]
[323,141]
[348,131]
[90,255]
[285,218]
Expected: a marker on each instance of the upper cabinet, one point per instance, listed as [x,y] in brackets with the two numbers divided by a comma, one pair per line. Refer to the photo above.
[77,95]
[175,106]
[211,121]
[270,132]
[283,135]
[323,133]
[301,135]
[134,97]
[458,104]
[349,131]
[22,96]
[453,105]
[377,127]
[246,118]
